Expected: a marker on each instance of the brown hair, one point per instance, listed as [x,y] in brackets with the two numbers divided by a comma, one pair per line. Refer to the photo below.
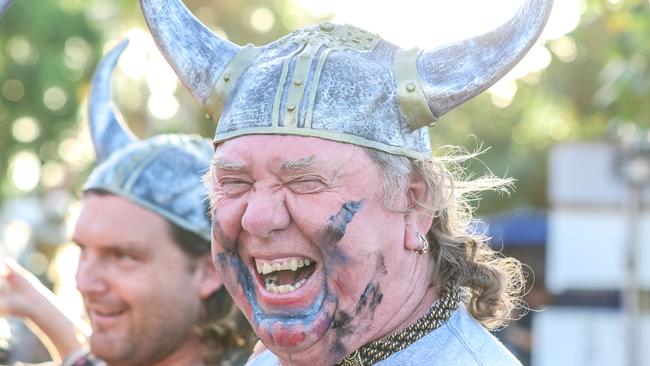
[224,331]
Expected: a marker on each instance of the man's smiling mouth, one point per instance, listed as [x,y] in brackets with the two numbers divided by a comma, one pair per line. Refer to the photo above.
[285,275]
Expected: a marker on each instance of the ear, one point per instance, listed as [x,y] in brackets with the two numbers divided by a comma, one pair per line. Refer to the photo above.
[208,277]
[418,218]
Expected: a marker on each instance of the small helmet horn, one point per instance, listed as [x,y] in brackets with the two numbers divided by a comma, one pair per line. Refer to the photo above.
[107,130]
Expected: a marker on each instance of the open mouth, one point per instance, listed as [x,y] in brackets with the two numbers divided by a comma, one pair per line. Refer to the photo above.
[104,318]
[112,313]
[285,275]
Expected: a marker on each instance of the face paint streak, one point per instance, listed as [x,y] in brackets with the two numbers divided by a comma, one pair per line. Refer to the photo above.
[334,231]
[219,236]
[244,279]
[346,325]
[381,266]
[337,224]
[372,293]
[342,327]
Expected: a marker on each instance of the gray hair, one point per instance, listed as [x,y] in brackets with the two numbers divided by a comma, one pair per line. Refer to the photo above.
[462,257]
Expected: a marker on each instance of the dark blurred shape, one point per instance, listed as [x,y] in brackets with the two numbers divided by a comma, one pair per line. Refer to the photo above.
[520,227]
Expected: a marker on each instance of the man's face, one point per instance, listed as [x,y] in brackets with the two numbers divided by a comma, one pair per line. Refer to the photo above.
[305,246]
[139,289]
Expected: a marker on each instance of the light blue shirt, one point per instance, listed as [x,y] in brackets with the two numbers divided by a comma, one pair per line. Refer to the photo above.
[460,341]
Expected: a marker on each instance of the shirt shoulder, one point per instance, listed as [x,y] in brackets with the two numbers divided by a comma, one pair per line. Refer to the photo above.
[460,341]
[265,358]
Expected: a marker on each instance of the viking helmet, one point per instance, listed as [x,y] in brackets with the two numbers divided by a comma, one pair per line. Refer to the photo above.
[162,173]
[336,82]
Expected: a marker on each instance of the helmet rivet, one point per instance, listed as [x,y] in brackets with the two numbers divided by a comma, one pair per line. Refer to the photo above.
[410,87]
[291,108]
[297,82]
[226,77]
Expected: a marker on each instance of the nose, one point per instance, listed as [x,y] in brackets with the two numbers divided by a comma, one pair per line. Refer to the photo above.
[89,277]
[265,213]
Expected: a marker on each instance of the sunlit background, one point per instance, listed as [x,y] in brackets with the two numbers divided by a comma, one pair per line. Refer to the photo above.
[586,80]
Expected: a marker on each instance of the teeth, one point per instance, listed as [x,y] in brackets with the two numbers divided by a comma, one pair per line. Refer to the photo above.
[293,264]
[281,289]
[300,283]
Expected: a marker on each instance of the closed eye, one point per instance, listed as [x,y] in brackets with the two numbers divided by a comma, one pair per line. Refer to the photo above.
[306,184]
[232,187]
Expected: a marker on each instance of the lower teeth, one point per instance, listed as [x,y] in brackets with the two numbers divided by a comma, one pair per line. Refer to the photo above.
[281,289]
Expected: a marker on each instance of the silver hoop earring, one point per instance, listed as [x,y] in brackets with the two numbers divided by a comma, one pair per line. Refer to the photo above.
[425,244]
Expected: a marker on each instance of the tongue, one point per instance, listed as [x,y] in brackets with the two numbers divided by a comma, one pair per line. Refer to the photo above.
[286,277]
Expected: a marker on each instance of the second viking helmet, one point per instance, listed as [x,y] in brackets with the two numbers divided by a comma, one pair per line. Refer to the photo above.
[162,174]
[336,82]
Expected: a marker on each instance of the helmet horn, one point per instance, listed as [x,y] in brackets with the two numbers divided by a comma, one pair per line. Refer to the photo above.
[455,73]
[196,54]
[107,130]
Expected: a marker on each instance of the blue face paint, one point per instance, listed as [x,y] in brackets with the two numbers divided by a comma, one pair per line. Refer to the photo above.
[334,232]
[292,327]
[287,328]
[346,325]
[337,224]
[370,298]
[220,237]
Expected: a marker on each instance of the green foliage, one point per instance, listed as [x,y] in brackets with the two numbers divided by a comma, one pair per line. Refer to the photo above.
[33,60]
[576,98]
[58,43]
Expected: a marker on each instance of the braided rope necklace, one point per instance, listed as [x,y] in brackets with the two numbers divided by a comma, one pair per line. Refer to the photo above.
[381,349]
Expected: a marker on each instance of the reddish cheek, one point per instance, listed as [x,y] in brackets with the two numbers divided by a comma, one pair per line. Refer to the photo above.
[309,212]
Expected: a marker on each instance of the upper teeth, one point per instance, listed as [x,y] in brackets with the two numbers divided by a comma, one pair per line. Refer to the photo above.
[293,264]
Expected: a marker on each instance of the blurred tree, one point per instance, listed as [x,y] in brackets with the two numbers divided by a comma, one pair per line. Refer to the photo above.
[598,74]
[48,52]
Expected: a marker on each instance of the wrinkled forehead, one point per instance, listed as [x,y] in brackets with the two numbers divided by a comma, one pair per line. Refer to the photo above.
[286,152]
